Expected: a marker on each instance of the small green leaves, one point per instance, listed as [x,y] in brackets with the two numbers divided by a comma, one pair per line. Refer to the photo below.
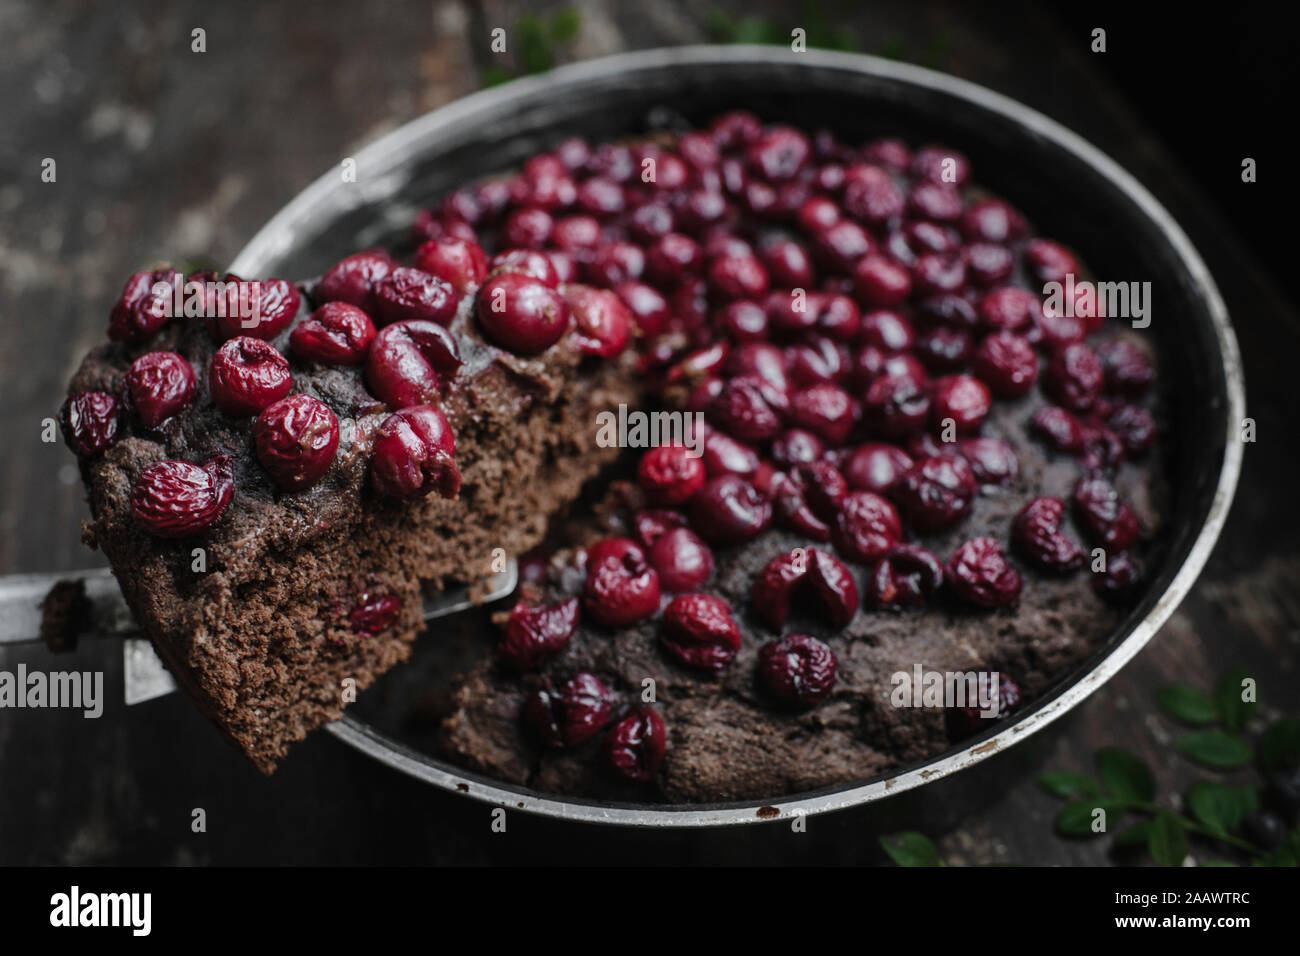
[1061,783]
[1235,699]
[1216,749]
[1081,819]
[1139,834]
[1125,776]
[1279,747]
[1220,807]
[1187,705]
[910,849]
[1166,842]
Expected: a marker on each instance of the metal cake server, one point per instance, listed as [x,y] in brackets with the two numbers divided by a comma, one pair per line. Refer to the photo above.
[146,677]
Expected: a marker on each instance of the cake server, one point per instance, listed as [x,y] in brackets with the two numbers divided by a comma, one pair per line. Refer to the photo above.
[105,613]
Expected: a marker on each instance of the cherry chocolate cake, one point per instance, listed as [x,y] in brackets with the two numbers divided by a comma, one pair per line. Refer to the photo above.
[911,457]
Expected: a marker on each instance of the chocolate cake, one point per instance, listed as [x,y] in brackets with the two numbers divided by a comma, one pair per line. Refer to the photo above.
[898,455]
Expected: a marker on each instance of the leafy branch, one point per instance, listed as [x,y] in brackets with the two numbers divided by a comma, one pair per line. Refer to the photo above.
[1235,816]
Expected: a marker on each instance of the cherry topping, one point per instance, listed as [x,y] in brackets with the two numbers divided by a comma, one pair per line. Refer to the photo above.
[335,334]
[670,475]
[521,314]
[1037,534]
[602,323]
[175,499]
[1074,377]
[295,440]
[905,577]
[699,631]
[622,588]
[797,670]
[90,422]
[413,454]
[246,375]
[570,716]
[728,510]
[968,720]
[1007,364]
[682,561]
[935,493]
[962,399]
[1104,518]
[458,262]
[138,313]
[979,574]
[634,746]
[535,633]
[866,528]
[875,467]
[261,308]
[353,279]
[406,359]
[160,384]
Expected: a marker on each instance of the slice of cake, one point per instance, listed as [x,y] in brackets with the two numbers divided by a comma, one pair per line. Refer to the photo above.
[275,472]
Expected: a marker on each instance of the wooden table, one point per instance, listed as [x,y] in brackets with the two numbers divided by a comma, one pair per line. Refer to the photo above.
[164,152]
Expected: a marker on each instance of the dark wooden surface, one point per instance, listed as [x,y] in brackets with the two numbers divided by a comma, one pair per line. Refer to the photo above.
[166,153]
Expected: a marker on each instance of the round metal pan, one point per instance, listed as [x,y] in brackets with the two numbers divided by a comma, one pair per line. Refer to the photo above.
[1072,190]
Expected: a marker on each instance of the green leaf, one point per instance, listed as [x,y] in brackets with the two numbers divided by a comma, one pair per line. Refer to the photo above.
[910,849]
[1214,748]
[1167,843]
[494,76]
[1219,806]
[565,25]
[1233,711]
[1216,863]
[1187,704]
[1124,775]
[534,50]
[1136,835]
[1076,819]
[1279,746]
[1062,783]
[721,26]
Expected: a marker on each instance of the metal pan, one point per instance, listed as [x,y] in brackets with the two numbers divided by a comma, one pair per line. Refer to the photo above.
[1079,196]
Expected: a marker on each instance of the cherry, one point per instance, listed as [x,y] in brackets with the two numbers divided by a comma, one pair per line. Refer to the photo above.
[817,576]
[374,614]
[673,256]
[1104,518]
[788,263]
[891,153]
[992,460]
[646,305]
[728,510]
[622,588]
[414,453]
[246,375]
[571,716]
[295,440]
[866,528]
[795,446]
[406,361]
[525,262]
[1135,427]
[1049,261]
[406,294]
[335,334]
[614,263]
[1036,532]
[744,411]
[895,406]
[936,202]
[979,574]
[875,467]
[992,220]
[944,349]
[160,384]
[602,324]
[458,262]
[906,576]
[138,313]
[670,475]
[634,746]
[988,264]
[797,671]
[825,410]
[1118,581]
[260,308]
[601,197]
[723,455]
[935,493]
[968,720]
[886,330]
[528,228]
[681,559]
[521,314]
[175,499]
[1059,429]
[870,195]
[962,399]
[535,633]
[90,422]
[841,245]
[1126,366]
[1007,364]
[353,280]
[1010,309]
[699,631]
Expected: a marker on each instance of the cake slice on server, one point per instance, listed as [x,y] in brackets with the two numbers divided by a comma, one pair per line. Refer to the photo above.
[275,472]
